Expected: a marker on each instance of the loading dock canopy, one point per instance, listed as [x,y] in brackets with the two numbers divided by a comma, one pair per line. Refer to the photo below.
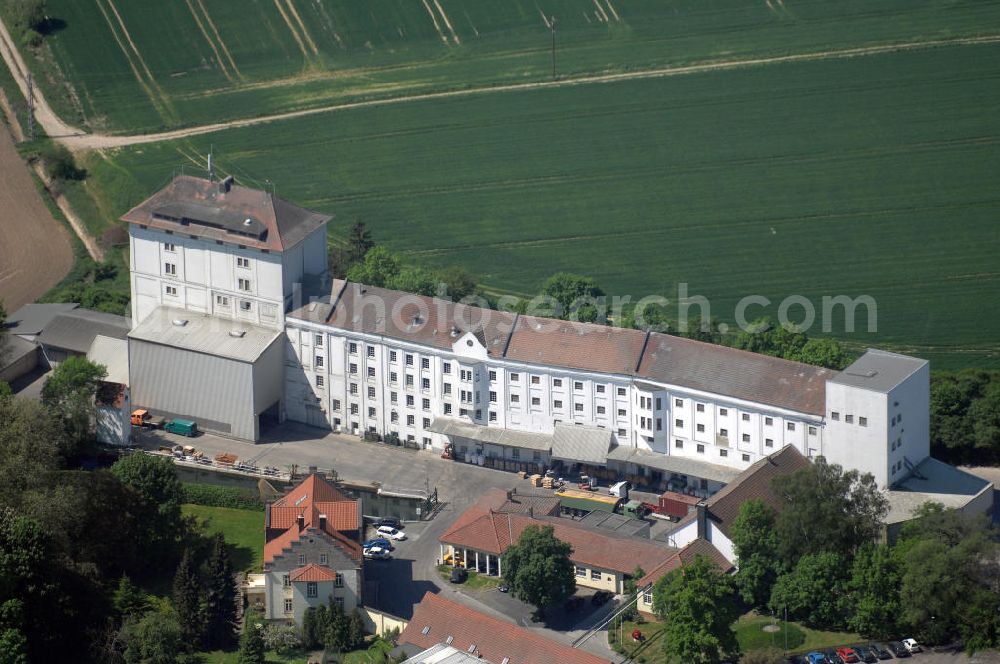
[580,444]
[673,464]
[450,426]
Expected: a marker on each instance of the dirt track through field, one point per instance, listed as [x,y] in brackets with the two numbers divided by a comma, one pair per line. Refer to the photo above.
[35,249]
[215,49]
[77,140]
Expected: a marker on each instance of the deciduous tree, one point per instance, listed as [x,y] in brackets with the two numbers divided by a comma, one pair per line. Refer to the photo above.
[156,638]
[875,581]
[697,604]
[575,295]
[538,569]
[756,547]
[159,496]
[69,392]
[815,591]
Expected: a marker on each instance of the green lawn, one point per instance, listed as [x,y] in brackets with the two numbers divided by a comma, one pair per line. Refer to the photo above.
[859,176]
[243,530]
[476,581]
[749,633]
[133,66]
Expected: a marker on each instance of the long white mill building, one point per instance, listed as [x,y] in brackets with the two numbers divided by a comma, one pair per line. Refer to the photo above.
[224,335]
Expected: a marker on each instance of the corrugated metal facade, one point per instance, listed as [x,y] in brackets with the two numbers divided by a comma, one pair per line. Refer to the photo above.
[217,393]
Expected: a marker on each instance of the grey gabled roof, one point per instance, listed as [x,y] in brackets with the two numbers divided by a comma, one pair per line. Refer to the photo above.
[201,333]
[878,370]
[31,319]
[75,330]
[450,426]
[673,464]
[579,443]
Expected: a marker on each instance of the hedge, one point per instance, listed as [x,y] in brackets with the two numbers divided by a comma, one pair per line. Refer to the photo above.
[222,496]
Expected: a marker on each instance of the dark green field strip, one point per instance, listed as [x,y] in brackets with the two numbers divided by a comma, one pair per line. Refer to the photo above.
[337,50]
[849,177]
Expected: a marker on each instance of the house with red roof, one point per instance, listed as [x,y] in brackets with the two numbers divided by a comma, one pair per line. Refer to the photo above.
[482,534]
[438,620]
[312,550]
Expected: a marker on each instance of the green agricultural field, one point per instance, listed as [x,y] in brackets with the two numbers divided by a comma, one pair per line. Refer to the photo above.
[870,175]
[135,65]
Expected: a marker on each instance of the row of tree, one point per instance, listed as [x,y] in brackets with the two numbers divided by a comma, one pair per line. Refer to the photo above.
[965,416]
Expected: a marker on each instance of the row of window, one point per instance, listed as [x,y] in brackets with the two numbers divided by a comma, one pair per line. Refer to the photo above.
[849,418]
[581,573]
[241,261]
[311,591]
[679,444]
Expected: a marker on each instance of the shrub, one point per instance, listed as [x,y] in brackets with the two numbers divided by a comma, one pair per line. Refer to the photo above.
[282,639]
[59,162]
[222,496]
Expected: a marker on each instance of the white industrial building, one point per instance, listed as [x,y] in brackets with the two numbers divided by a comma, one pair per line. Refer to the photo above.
[216,270]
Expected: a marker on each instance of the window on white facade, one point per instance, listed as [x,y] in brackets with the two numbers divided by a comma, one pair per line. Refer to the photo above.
[409,420]
[535,401]
[244,284]
[578,407]
[425,404]
[352,348]
[812,430]
[493,397]
[426,422]
[701,449]
[700,428]
[768,442]
[242,262]
[425,383]
[318,340]
[392,356]
[514,398]
[862,421]
[354,388]
[371,412]
[493,375]
[246,305]
[791,426]
[446,367]
[849,419]
[600,389]
[746,457]
[723,412]
[222,300]
[312,589]
[319,361]
[600,410]
[324,559]
[577,385]
[679,444]
[724,433]
[447,409]
[370,351]
[425,363]
[371,392]
[169,246]
[595,575]
[621,433]
[285,581]
[835,416]
[371,372]
[172,291]
[723,453]
[409,360]
[679,403]
[354,409]
[679,424]
[493,416]
[393,417]
[581,572]
[557,382]
[170,268]
[409,380]
[319,381]
[393,377]
[700,407]
[746,438]
[289,606]
[768,421]
[535,380]
[746,417]
[338,580]
[514,378]
[409,400]
[647,597]
[336,405]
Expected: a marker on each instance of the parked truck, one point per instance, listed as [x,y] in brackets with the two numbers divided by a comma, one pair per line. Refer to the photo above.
[182,427]
[675,506]
[142,418]
[574,501]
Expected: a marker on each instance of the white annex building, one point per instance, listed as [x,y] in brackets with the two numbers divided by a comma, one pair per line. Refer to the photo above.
[223,335]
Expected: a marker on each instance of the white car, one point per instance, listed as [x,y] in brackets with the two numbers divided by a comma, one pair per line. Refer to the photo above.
[912,645]
[391,533]
[376,553]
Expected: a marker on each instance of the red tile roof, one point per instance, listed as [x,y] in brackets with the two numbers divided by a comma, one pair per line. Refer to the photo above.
[241,216]
[312,572]
[699,547]
[754,482]
[313,497]
[486,530]
[561,343]
[435,619]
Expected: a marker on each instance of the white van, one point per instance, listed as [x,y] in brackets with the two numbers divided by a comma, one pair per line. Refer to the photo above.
[619,490]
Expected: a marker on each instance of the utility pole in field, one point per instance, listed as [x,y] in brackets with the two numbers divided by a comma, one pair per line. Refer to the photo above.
[31,107]
[552,27]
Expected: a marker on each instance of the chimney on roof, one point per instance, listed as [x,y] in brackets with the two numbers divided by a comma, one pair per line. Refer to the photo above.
[702,519]
[226,184]
[301,520]
[322,522]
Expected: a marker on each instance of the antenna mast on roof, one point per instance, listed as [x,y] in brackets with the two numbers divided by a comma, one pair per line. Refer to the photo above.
[211,167]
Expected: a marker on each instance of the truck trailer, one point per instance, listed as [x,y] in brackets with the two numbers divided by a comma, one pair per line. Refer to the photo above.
[576,502]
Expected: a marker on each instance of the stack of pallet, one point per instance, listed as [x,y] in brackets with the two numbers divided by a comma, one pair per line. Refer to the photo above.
[536,480]
[522,474]
[548,483]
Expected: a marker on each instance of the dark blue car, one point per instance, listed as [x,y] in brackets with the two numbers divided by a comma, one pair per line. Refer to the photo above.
[380,542]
